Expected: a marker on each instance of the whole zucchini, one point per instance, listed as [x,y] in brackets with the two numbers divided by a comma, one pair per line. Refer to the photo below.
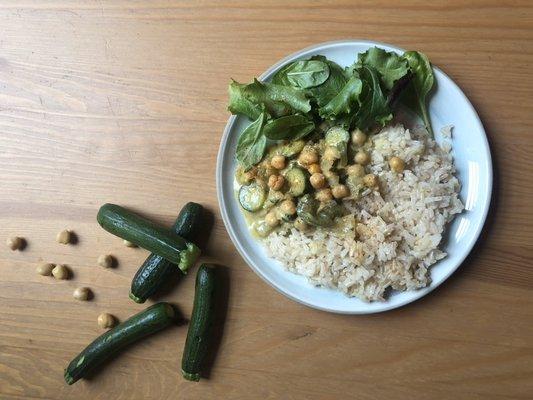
[196,344]
[148,321]
[156,270]
[148,235]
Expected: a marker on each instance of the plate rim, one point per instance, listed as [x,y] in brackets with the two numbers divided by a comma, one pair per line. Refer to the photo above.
[421,292]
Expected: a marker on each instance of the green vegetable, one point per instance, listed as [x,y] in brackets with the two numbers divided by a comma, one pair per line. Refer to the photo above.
[251,144]
[156,271]
[148,321]
[416,94]
[339,137]
[146,234]
[323,93]
[307,210]
[288,150]
[345,101]
[252,196]
[274,197]
[298,180]
[307,73]
[289,127]
[374,109]
[198,335]
[390,65]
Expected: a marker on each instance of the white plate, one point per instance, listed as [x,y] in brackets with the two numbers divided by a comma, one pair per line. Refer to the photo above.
[448,105]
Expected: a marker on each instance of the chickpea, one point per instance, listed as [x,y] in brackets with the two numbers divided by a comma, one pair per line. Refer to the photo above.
[82,294]
[314,169]
[271,219]
[15,243]
[362,157]
[318,181]
[288,207]
[300,225]
[308,157]
[106,321]
[105,261]
[370,180]
[358,137]
[275,182]
[45,269]
[63,237]
[356,170]
[396,164]
[324,195]
[340,191]
[331,154]
[278,162]
[127,243]
[60,272]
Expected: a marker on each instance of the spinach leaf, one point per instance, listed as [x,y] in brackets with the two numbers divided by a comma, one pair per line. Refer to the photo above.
[277,100]
[390,66]
[332,86]
[416,94]
[251,144]
[374,108]
[345,100]
[307,74]
[290,127]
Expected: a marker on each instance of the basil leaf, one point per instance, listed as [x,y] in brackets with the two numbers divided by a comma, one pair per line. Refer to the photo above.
[416,94]
[374,108]
[332,86]
[307,74]
[290,127]
[277,100]
[344,102]
[251,144]
[390,66]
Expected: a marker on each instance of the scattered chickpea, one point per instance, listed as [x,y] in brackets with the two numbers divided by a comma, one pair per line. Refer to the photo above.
[288,207]
[45,269]
[300,225]
[324,195]
[308,157]
[127,243]
[340,191]
[396,164]
[314,169]
[106,321]
[15,243]
[358,137]
[370,180]
[271,219]
[356,170]
[82,294]
[318,181]
[105,261]
[362,157]
[275,182]
[63,237]
[278,162]
[60,272]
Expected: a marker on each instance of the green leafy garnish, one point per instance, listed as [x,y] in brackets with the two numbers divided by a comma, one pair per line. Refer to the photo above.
[307,74]
[416,93]
[390,66]
[290,127]
[345,100]
[323,93]
[374,109]
[251,144]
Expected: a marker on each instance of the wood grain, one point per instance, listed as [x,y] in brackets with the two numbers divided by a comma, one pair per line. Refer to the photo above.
[125,102]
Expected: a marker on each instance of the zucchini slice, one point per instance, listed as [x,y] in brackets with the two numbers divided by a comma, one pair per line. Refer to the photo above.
[298,181]
[252,196]
[338,138]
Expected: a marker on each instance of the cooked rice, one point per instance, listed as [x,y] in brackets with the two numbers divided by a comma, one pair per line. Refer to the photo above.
[395,236]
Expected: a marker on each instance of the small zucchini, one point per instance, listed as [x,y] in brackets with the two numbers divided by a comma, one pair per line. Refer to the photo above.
[148,321]
[146,234]
[338,138]
[298,181]
[274,197]
[156,271]
[308,210]
[289,150]
[252,196]
[196,344]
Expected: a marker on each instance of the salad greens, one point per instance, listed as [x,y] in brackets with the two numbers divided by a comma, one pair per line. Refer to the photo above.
[305,93]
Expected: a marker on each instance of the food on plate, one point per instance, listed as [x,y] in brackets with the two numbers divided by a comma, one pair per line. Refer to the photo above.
[198,335]
[45,269]
[105,260]
[64,237]
[156,270]
[60,271]
[333,183]
[106,321]
[143,232]
[144,323]
[82,293]
[15,243]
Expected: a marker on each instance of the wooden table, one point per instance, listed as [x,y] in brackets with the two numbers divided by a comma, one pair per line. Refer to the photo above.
[125,102]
